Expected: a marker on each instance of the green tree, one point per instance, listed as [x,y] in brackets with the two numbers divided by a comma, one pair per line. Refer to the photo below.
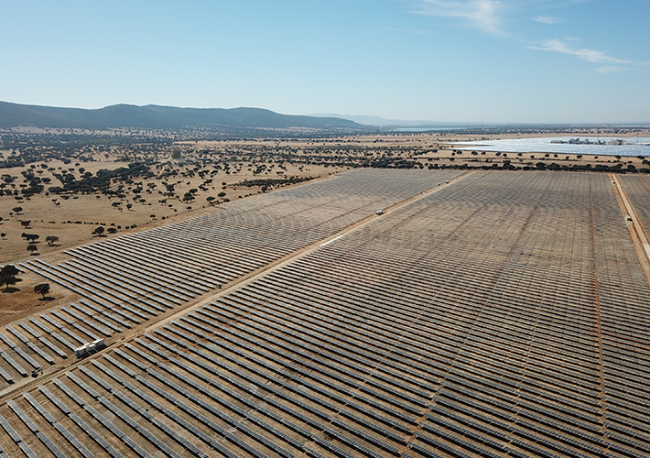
[32,248]
[51,239]
[8,275]
[42,289]
[99,231]
[8,280]
[9,270]
[17,210]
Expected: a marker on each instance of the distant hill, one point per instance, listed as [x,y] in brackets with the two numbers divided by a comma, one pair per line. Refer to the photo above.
[382,122]
[159,117]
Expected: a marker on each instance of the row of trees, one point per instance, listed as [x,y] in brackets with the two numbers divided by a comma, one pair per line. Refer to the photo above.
[32,238]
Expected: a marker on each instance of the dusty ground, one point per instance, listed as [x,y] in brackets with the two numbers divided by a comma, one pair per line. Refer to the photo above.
[74,219]
[410,146]
[448,156]
[400,139]
[20,300]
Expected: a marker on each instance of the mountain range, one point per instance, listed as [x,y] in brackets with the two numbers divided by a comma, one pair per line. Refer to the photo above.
[383,122]
[160,117]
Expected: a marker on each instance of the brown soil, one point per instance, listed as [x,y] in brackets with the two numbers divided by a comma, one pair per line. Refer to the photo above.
[73,220]
[21,300]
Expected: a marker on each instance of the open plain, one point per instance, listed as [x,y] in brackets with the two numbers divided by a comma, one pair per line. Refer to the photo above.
[484,313]
[174,181]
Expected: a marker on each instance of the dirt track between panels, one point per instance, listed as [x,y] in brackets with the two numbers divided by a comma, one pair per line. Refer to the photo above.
[638,233]
[157,321]
[487,314]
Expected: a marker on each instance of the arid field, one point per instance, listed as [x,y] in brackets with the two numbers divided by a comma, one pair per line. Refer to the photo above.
[482,313]
[216,170]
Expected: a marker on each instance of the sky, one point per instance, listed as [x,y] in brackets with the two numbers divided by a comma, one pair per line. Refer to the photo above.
[493,61]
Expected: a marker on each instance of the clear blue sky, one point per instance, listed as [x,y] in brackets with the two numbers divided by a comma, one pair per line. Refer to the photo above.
[544,61]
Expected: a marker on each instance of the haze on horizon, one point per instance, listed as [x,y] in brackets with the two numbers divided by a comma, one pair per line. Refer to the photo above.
[492,61]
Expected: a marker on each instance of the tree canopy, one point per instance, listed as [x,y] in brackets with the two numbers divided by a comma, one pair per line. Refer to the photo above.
[9,270]
[8,275]
[42,289]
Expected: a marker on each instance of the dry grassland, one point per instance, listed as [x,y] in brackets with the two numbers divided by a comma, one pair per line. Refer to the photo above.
[73,218]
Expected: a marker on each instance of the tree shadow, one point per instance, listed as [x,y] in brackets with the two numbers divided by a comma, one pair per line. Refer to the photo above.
[11,289]
[46,299]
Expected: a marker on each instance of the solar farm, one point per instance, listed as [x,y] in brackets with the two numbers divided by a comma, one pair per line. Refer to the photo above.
[484,313]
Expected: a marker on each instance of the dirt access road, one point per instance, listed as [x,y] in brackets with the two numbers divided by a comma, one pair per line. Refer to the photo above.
[66,365]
